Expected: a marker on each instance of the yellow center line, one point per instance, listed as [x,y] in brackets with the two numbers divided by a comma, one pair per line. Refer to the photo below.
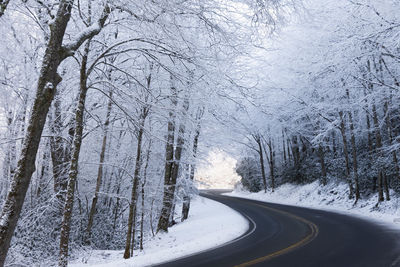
[304,241]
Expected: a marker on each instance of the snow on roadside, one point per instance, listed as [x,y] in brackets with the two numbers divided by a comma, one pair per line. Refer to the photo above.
[210,224]
[333,197]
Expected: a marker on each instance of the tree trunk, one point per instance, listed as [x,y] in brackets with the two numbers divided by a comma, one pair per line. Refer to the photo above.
[186,200]
[354,150]
[9,163]
[261,157]
[99,171]
[378,138]
[170,180]
[334,147]
[60,153]
[73,172]
[386,185]
[288,149]
[295,152]
[143,193]
[43,172]
[283,147]
[169,183]
[370,148]
[271,163]
[346,154]
[130,236]
[390,135]
[321,155]
[354,154]
[47,83]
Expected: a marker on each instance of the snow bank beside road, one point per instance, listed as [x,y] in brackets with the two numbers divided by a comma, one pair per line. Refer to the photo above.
[210,224]
[333,197]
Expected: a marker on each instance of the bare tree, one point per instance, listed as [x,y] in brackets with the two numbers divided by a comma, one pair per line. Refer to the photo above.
[48,80]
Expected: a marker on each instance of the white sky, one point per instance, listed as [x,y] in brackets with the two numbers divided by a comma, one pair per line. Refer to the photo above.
[218,172]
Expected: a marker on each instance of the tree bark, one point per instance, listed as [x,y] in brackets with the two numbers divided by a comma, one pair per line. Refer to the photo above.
[130,236]
[390,134]
[186,199]
[354,154]
[386,185]
[288,149]
[60,151]
[47,83]
[321,155]
[353,151]
[271,163]
[9,164]
[44,170]
[48,80]
[257,138]
[346,154]
[378,138]
[169,185]
[284,147]
[334,144]
[295,152]
[368,121]
[99,171]
[73,172]
[172,161]
[143,193]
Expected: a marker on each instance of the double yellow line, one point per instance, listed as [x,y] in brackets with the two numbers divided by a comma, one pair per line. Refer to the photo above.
[304,241]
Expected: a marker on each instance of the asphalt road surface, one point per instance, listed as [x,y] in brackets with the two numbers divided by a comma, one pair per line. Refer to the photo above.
[281,235]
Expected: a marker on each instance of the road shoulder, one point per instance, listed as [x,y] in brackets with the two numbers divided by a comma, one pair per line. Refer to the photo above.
[210,224]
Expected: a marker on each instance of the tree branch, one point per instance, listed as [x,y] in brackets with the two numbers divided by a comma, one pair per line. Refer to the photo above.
[91,31]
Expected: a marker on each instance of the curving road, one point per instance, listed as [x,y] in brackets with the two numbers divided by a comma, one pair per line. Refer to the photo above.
[281,235]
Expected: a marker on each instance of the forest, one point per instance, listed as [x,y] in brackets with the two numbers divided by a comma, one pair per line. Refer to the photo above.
[107,107]
[331,109]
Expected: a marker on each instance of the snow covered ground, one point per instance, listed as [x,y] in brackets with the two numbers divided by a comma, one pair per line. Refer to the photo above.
[332,197]
[210,224]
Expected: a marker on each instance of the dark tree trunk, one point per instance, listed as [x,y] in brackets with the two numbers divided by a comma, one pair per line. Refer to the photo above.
[370,147]
[46,88]
[41,183]
[48,80]
[73,171]
[60,150]
[354,151]
[386,185]
[354,154]
[186,200]
[130,236]
[99,171]
[334,148]
[169,183]
[143,193]
[390,135]
[170,180]
[288,149]
[271,163]
[378,138]
[295,152]
[257,138]
[283,147]
[346,154]
[321,155]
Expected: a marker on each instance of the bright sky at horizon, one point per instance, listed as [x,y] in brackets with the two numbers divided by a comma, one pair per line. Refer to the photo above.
[218,172]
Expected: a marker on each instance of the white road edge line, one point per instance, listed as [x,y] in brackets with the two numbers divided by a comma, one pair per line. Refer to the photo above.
[222,245]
